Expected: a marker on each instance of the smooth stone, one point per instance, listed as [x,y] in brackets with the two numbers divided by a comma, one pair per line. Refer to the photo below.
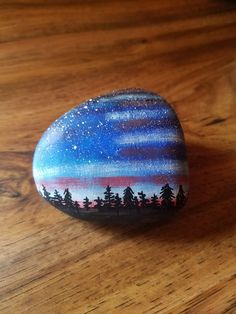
[120,157]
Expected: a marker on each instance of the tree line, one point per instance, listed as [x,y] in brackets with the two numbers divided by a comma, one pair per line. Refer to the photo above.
[114,202]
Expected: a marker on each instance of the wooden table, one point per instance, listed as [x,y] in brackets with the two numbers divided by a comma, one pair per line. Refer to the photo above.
[55,54]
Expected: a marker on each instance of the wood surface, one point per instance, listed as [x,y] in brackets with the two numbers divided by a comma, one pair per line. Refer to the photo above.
[55,54]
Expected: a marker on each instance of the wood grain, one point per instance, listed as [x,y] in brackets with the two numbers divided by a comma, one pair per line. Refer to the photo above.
[55,54]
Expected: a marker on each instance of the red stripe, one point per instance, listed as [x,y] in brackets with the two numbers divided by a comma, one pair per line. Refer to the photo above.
[113,181]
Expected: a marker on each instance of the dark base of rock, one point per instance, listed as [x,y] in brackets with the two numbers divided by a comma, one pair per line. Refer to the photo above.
[146,215]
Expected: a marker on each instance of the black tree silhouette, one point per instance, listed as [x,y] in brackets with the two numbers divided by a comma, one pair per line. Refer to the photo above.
[68,198]
[154,201]
[180,198]
[86,203]
[128,197]
[99,203]
[46,194]
[57,198]
[167,196]
[143,200]
[117,203]
[109,197]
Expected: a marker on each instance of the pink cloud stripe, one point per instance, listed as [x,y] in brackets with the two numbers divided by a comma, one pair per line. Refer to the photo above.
[113,181]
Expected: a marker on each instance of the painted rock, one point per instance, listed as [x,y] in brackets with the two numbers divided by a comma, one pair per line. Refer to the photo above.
[118,157]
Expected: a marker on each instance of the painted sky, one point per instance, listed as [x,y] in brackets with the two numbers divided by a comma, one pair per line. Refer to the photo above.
[127,138]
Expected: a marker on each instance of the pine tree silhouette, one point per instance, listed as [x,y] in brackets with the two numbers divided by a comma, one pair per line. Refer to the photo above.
[128,197]
[117,203]
[143,200]
[154,201]
[57,198]
[167,196]
[46,194]
[86,203]
[98,202]
[68,198]
[180,198]
[114,201]
[109,197]
[136,204]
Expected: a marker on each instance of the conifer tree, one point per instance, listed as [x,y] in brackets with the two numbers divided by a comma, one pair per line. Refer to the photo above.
[46,194]
[68,198]
[143,200]
[58,199]
[98,202]
[180,198]
[154,201]
[109,197]
[167,196]
[86,203]
[128,197]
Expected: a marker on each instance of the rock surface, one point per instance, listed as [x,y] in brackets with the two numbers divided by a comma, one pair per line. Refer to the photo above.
[120,157]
